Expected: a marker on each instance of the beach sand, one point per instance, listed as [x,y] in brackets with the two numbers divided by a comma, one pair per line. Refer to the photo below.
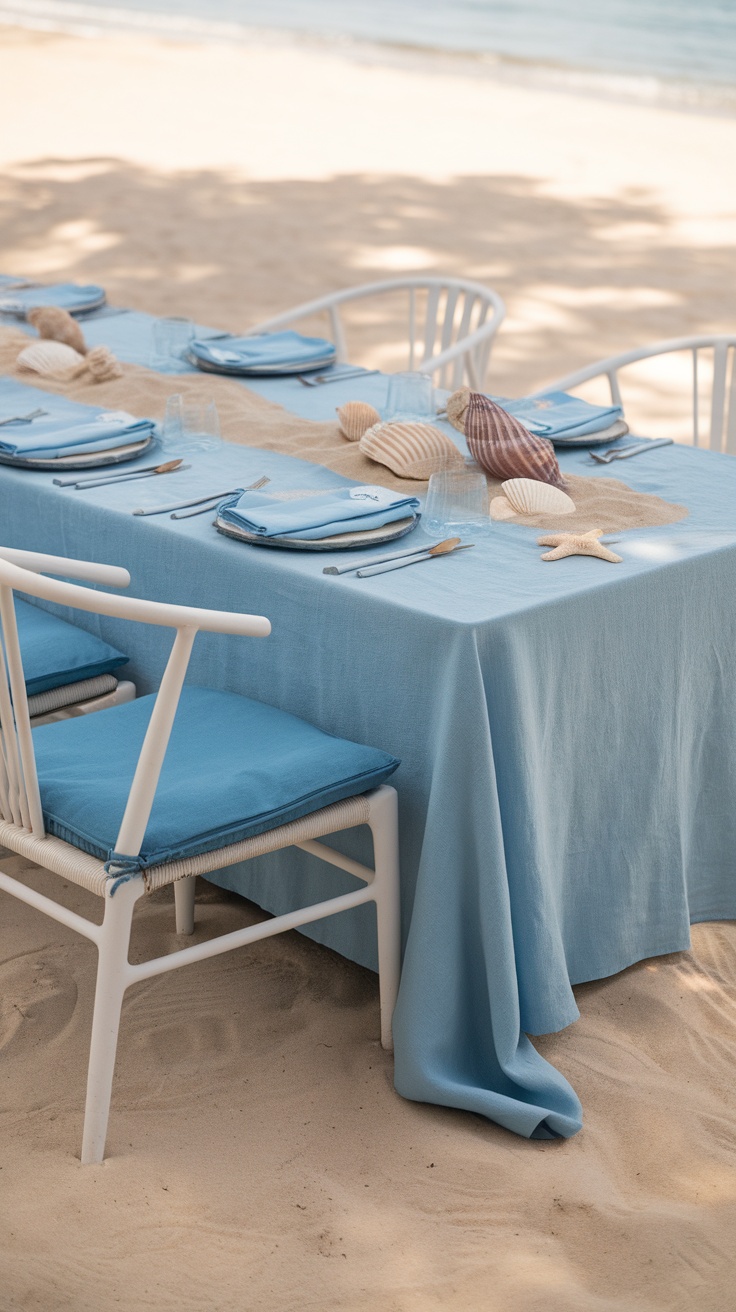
[259,1159]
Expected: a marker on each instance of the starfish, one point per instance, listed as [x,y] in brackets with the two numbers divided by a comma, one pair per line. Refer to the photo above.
[577,544]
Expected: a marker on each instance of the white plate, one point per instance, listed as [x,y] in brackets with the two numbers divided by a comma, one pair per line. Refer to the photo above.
[262,371]
[370,537]
[95,459]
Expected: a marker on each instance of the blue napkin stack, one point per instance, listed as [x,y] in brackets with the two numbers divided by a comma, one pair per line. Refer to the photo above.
[48,437]
[339,510]
[270,353]
[566,420]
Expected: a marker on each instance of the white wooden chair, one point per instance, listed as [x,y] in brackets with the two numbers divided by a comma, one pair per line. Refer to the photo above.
[27,793]
[721,406]
[452,323]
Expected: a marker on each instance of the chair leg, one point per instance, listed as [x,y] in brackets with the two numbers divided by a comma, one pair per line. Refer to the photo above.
[184,903]
[384,826]
[112,981]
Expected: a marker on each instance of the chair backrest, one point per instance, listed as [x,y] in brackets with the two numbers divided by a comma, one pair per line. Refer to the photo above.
[718,350]
[451,324]
[20,802]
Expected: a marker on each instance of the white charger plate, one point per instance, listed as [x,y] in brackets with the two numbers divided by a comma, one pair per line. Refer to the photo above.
[95,459]
[370,537]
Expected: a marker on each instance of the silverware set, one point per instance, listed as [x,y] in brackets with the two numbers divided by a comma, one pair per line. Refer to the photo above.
[371,565]
[81,484]
[318,380]
[623,453]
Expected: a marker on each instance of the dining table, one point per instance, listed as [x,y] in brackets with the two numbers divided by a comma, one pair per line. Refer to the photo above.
[566,730]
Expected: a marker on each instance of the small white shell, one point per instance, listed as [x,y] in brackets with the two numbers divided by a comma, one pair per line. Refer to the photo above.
[355,418]
[50,358]
[527,496]
[410,450]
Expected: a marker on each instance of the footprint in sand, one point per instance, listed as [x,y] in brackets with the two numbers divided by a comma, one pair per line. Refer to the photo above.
[37,999]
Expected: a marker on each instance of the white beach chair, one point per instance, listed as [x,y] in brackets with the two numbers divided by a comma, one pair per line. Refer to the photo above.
[54,652]
[292,783]
[452,323]
[720,382]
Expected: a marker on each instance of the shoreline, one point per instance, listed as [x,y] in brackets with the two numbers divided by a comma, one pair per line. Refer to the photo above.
[650,91]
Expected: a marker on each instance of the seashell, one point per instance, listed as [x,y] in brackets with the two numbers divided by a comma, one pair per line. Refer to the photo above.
[410,450]
[102,365]
[355,418]
[528,496]
[57,325]
[50,358]
[500,443]
[456,408]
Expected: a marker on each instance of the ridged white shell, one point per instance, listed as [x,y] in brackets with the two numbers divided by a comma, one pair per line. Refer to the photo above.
[410,450]
[527,496]
[50,358]
[355,418]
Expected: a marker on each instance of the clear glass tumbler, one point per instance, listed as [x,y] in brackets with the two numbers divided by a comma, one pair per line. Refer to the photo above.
[171,338]
[409,396]
[190,426]
[457,504]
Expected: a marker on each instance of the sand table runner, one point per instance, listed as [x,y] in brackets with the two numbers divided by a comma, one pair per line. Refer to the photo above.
[250,420]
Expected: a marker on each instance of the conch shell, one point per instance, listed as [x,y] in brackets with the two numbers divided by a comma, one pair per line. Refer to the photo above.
[52,359]
[501,443]
[410,450]
[527,496]
[355,418]
[57,326]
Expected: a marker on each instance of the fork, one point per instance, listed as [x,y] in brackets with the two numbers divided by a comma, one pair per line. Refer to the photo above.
[24,419]
[198,501]
[213,501]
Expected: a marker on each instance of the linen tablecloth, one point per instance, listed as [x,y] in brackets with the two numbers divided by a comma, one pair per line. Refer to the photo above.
[567,735]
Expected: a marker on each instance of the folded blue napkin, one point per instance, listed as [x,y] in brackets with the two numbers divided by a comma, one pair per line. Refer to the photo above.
[342,510]
[269,353]
[45,438]
[65,295]
[559,414]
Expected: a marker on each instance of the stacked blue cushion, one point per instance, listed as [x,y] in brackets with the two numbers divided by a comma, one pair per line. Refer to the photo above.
[234,768]
[56,653]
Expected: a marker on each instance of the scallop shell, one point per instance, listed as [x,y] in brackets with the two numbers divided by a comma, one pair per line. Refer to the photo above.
[355,418]
[501,443]
[410,450]
[50,358]
[528,496]
[57,325]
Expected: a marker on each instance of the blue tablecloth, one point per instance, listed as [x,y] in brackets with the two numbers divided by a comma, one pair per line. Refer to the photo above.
[567,735]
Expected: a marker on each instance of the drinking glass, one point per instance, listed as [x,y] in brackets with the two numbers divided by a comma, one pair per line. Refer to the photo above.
[171,338]
[409,396]
[457,504]
[190,426]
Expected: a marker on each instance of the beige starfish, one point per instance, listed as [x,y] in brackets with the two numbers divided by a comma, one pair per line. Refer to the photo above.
[577,544]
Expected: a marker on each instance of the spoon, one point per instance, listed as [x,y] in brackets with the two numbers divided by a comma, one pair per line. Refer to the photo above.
[441,549]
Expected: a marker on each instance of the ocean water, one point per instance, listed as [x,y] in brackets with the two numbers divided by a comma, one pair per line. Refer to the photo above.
[676,49]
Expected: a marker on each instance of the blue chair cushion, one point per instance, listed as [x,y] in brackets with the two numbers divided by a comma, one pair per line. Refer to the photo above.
[234,768]
[56,653]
